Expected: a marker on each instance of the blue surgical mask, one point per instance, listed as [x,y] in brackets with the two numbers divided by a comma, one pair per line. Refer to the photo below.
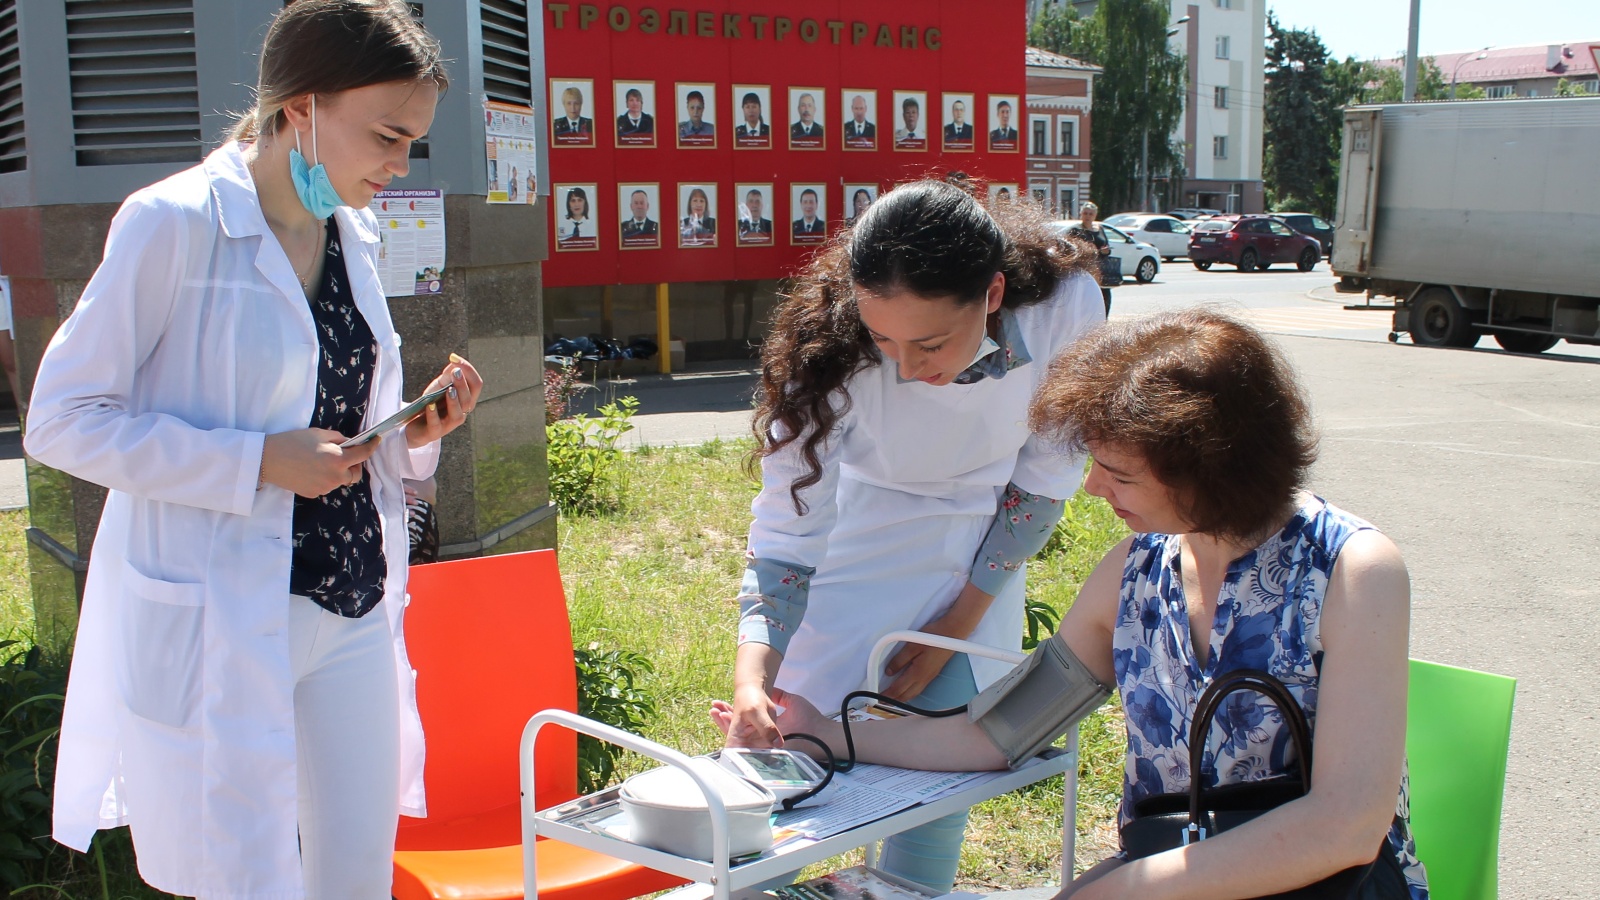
[311,182]
[984,349]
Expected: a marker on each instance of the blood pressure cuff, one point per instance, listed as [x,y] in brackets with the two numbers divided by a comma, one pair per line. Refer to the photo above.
[1037,701]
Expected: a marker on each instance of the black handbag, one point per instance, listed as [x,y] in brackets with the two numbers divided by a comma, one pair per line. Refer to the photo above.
[1165,821]
[1110,272]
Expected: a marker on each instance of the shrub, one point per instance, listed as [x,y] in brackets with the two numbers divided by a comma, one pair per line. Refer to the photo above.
[31,697]
[608,692]
[585,471]
[560,385]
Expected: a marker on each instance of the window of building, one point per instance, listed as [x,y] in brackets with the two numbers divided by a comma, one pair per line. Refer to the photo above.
[1224,4]
[1219,96]
[1219,147]
[1069,203]
[1499,91]
[1069,144]
[1040,192]
[1222,46]
[1041,137]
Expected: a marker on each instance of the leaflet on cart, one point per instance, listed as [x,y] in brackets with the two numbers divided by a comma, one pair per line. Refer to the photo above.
[868,792]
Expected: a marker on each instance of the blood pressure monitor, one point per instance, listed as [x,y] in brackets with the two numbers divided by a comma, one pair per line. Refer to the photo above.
[785,773]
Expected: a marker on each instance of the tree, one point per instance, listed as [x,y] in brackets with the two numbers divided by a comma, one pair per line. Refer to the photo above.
[1138,97]
[1055,28]
[1386,81]
[1303,122]
[1565,88]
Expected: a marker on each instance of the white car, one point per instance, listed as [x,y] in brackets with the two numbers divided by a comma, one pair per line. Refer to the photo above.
[1168,234]
[1140,261]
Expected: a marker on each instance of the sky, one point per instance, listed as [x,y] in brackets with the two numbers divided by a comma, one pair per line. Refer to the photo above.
[1369,29]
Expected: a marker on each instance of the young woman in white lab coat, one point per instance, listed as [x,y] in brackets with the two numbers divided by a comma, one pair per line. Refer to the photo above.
[900,486]
[240,693]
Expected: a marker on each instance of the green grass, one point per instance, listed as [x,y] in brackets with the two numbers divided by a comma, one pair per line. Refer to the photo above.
[659,578]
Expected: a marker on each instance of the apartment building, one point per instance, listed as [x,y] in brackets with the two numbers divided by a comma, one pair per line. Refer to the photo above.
[1060,95]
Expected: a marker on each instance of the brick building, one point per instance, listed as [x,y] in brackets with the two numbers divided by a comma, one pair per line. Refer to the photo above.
[1060,95]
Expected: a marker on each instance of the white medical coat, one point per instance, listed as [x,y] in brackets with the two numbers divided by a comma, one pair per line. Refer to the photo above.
[911,481]
[191,343]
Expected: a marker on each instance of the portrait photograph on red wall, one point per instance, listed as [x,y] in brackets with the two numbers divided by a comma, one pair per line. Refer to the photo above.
[760,117]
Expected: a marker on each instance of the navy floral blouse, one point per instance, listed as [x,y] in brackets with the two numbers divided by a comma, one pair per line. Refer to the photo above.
[1269,617]
[338,539]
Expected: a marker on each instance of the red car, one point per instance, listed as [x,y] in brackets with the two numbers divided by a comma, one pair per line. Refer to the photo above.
[1251,243]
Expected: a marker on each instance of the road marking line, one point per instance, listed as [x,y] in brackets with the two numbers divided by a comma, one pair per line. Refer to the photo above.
[1454,448]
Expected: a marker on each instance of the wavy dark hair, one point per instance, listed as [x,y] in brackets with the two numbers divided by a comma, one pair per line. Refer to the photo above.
[1209,404]
[929,237]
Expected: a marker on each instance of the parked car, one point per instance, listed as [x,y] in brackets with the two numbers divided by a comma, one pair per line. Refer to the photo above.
[1308,224]
[1167,233]
[1140,261]
[1191,212]
[1251,243]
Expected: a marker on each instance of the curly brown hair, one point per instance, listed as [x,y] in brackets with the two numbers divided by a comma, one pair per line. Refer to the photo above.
[1210,405]
[928,237]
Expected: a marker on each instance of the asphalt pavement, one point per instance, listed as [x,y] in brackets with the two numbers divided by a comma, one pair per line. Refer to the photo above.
[1481,465]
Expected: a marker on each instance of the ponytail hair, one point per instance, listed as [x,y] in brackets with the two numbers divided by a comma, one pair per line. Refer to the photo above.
[931,238]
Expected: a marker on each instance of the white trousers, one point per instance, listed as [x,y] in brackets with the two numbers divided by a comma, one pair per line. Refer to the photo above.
[347,739]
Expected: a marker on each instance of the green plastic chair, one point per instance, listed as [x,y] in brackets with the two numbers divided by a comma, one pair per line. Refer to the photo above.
[1458,730]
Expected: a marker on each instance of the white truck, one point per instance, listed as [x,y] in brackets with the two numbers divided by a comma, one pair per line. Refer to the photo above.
[1476,216]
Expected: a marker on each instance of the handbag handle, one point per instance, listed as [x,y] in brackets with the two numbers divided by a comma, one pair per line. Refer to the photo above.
[1206,708]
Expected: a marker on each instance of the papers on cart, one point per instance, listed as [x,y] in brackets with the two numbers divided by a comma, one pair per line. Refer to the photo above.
[867,793]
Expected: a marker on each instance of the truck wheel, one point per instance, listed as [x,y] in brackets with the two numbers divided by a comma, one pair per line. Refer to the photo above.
[1202,265]
[1523,342]
[1308,260]
[1247,260]
[1146,271]
[1437,320]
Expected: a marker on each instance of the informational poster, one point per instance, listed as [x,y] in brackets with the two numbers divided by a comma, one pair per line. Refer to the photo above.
[911,129]
[857,197]
[574,208]
[861,129]
[958,123]
[510,149]
[753,132]
[806,131]
[1002,128]
[755,214]
[697,224]
[573,101]
[410,241]
[809,203]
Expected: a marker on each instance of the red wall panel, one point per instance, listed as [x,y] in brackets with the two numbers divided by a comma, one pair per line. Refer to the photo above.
[980,52]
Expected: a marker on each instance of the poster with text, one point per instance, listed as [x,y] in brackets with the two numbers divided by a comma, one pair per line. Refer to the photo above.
[572,99]
[575,217]
[860,130]
[911,111]
[636,118]
[697,215]
[1003,118]
[958,131]
[755,214]
[857,197]
[697,115]
[753,132]
[639,206]
[410,241]
[805,119]
[808,205]
[510,131]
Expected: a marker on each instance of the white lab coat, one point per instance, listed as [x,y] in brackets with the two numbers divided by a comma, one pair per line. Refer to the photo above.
[191,343]
[912,478]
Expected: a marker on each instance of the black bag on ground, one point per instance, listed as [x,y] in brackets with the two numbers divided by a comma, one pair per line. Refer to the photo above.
[1165,821]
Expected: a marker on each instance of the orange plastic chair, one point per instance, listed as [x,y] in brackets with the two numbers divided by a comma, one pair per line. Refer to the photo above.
[491,644]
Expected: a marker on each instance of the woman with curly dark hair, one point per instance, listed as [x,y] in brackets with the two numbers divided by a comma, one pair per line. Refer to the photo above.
[900,487]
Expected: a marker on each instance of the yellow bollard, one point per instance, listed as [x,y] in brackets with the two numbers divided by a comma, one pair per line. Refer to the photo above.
[664,329]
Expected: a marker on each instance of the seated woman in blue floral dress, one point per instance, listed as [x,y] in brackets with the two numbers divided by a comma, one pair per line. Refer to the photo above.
[1201,442]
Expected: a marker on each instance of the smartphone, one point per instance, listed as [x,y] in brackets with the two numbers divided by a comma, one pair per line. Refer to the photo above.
[406,414]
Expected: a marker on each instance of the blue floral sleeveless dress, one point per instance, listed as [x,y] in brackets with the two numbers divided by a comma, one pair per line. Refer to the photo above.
[1269,615]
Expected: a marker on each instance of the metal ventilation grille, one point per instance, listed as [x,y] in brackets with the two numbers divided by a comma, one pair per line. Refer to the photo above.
[13,147]
[507,68]
[135,89]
